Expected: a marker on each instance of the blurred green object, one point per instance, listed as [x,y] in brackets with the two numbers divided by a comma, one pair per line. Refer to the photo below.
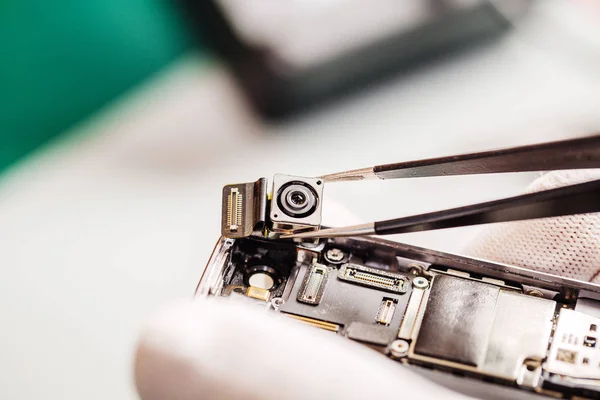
[61,61]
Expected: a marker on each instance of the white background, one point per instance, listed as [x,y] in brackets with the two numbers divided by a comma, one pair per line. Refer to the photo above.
[119,218]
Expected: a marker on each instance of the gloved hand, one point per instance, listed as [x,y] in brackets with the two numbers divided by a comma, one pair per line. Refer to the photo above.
[218,349]
[567,246]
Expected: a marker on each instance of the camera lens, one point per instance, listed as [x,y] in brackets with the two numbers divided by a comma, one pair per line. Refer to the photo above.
[297,200]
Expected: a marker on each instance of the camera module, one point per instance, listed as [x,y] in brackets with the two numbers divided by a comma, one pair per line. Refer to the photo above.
[295,204]
[297,200]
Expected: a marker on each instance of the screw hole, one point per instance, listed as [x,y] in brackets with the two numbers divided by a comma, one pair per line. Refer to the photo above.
[319,182]
[275,215]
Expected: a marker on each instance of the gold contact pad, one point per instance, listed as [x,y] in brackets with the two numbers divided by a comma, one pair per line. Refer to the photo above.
[386,311]
[328,326]
[258,293]
[374,278]
[234,209]
[313,286]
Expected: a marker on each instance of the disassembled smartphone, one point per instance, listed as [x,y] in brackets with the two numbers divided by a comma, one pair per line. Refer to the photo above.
[482,328]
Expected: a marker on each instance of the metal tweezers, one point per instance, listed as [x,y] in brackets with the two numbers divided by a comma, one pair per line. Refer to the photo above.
[582,198]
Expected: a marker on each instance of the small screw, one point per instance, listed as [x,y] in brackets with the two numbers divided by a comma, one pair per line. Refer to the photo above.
[535,292]
[277,302]
[420,283]
[415,268]
[399,348]
[334,255]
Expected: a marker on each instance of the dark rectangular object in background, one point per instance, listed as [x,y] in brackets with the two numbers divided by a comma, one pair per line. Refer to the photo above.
[289,58]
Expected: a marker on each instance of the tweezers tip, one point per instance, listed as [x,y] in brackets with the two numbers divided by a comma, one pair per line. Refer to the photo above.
[354,230]
[302,235]
[352,175]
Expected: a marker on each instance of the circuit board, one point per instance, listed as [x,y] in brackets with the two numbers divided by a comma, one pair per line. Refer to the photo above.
[525,339]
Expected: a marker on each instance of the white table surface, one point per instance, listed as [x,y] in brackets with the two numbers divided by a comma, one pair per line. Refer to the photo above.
[118,218]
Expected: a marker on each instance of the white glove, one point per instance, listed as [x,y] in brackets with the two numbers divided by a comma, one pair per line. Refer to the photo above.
[567,246]
[218,349]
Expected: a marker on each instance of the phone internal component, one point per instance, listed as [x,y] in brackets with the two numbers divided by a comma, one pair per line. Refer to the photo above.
[486,328]
[334,256]
[328,326]
[570,358]
[369,333]
[589,341]
[244,208]
[262,276]
[258,293]
[296,203]
[458,320]
[297,199]
[453,322]
[372,277]
[521,331]
[234,209]
[411,314]
[341,302]
[314,285]
[567,356]
[261,280]
[386,311]
[227,290]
